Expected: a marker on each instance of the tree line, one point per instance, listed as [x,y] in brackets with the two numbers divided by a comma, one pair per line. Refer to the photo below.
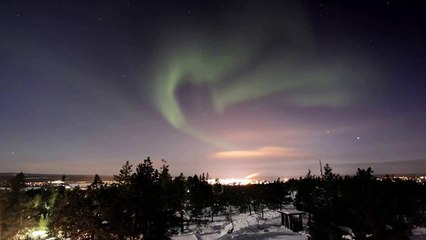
[360,206]
[148,203]
[144,203]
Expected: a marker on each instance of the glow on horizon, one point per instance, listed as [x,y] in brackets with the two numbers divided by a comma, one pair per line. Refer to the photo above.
[249,179]
[251,175]
[265,152]
[232,181]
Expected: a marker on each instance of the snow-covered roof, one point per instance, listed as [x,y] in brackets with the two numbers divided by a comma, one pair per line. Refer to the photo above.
[292,212]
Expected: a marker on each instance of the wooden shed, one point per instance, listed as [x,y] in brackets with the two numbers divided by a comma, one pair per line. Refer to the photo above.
[292,219]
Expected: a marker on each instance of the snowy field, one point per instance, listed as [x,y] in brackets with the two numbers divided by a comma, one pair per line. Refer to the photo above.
[254,227]
[243,226]
[419,233]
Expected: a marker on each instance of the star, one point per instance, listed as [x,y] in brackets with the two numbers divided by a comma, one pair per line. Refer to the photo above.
[358,138]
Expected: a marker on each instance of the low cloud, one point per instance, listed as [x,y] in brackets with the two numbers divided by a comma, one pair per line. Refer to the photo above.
[268,152]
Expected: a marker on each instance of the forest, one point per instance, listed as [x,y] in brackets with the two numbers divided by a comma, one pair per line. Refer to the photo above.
[148,203]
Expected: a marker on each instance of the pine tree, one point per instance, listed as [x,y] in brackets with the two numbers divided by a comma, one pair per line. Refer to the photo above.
[97,183]
[125,175]
[17,183]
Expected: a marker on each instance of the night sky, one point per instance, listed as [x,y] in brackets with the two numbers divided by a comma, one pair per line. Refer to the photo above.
[226,87]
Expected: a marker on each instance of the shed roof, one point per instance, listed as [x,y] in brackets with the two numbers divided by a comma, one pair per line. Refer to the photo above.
[291,212]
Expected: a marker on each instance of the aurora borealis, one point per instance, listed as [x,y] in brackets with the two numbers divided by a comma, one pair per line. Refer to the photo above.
[278,58]
[226,87]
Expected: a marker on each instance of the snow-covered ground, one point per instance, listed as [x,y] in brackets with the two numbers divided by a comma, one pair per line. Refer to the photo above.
[243,226]
[418,233]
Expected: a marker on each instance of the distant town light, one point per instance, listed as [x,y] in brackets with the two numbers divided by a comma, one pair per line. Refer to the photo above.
[232,181]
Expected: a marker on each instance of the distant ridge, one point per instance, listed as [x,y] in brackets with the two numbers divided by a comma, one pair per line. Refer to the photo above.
[407,167]
[414,167]
[52,177]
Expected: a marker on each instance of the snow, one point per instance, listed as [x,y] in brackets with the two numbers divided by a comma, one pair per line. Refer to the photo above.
[418,233]
[349,233]
[243,226]
[254,227]
[190,236]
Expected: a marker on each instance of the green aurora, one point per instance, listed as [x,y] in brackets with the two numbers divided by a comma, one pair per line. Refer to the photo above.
[244,62]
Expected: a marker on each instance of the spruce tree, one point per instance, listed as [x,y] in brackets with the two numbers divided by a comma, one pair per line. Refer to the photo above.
[125,175]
